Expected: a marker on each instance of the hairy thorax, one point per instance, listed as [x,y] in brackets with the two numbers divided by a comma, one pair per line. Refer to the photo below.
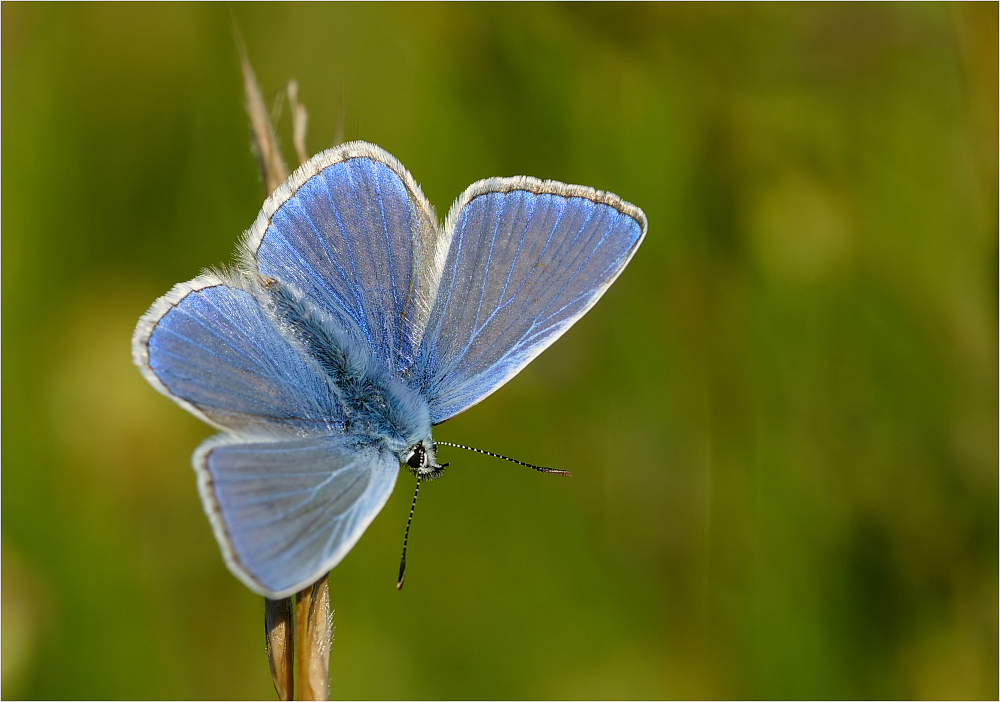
[375,407]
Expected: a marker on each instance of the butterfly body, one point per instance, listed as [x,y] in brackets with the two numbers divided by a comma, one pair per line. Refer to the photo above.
[376,407]
[354,325]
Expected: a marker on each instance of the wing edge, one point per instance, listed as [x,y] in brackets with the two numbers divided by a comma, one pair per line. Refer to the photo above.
[537,186]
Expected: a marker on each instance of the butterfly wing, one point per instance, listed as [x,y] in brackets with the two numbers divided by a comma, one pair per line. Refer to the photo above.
[210,346]
[285,512]
[352,232]
[527,258]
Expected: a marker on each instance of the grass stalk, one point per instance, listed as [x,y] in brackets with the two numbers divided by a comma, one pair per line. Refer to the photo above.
[272,166]
[312,642]
[280,645]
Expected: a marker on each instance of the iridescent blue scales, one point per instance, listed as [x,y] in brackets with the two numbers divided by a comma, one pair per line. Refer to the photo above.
[354,324]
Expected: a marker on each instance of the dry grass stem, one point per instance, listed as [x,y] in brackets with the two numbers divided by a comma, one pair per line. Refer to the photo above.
[312,642]
[300,120]
[280,645]
[269,160]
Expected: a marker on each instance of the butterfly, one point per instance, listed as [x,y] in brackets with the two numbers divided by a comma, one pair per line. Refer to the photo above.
[352,325]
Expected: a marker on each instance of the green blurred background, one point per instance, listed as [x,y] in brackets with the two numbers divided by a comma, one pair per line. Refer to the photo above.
[782,419]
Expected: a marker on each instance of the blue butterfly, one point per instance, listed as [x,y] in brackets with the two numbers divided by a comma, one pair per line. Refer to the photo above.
[354,324]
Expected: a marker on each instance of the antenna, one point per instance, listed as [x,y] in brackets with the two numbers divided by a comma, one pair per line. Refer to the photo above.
[540,469]
[406,537]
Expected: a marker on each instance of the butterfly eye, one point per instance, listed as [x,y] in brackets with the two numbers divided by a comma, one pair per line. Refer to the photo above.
[416,458]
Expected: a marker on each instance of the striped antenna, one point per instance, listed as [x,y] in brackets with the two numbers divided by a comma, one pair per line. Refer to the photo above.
[540,469]
[406,537]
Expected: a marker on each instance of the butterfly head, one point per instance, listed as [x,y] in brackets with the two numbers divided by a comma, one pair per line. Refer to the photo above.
[421,460]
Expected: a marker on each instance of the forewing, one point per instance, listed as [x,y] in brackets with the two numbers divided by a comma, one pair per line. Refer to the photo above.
[527,258]
[353,233]
[286,512]
[210,346]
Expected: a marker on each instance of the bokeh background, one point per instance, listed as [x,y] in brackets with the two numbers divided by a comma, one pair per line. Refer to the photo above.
[782,419]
